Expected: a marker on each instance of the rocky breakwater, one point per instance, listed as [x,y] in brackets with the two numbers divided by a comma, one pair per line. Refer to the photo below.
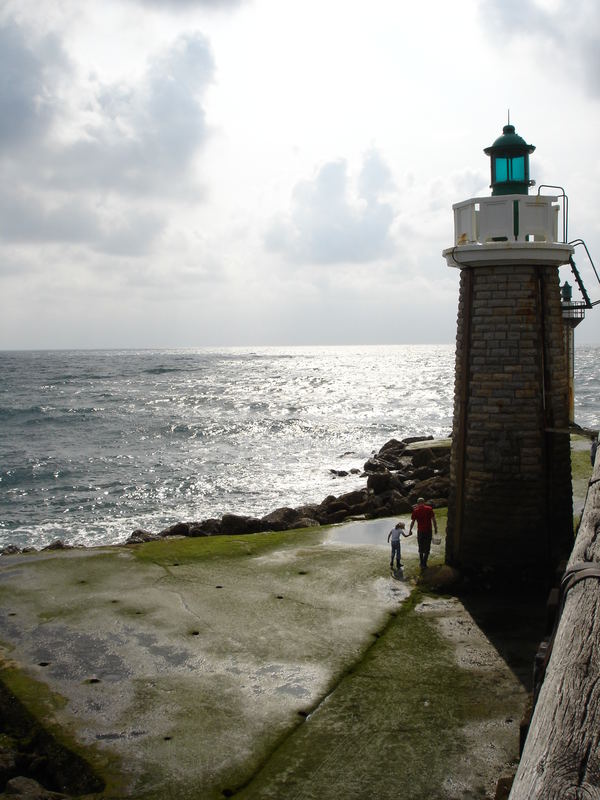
[396,476]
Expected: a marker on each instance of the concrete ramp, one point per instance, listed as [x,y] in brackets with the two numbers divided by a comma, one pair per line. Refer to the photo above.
[178,666]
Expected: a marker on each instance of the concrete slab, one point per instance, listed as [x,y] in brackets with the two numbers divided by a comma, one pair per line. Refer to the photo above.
[177,666]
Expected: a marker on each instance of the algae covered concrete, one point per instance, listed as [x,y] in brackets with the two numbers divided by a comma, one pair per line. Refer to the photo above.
[182,663]
[265,666]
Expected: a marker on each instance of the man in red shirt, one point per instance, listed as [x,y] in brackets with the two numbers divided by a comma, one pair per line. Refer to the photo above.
[424,516]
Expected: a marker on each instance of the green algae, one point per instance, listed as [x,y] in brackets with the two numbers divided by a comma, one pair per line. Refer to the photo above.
[170,552]
[63,764]
[396,717]
[581,466]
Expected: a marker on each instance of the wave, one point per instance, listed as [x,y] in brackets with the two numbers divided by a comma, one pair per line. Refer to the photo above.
[162,370]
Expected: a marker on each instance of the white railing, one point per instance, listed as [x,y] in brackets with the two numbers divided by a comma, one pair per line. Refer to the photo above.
[510,217]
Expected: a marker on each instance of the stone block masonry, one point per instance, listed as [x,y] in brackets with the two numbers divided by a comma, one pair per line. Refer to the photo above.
[510,505]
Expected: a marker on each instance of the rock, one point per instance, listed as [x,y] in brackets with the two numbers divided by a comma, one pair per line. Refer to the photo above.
[332,510]
[336,509]
[379,482]
[58,544]
[308,511]
[422,473]
[339,473]
[438,487]
[208,527]
[442,463]
[427,455]
[393,455]
[282,519]
[234,524]
[386,481]
[8,764]
[139,536]
[413,439]
[393,445]
[306,522]
[10,550]
[390,504]
[354,471]
[22,788]
[354,498]
[179,529]
[329,499]
[374,465]
[336,506]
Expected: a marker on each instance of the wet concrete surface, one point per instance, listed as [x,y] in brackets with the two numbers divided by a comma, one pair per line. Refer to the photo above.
[266,666]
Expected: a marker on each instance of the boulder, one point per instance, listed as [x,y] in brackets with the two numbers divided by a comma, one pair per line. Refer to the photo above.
[332,510]
[394,446]
[442,462]
[380,482]
[282,519]
[354,498]
[335,506]
[392,454]
[422,473]
[179,529]
[305,522]
[8,764]
[310,511]
[208,527]
[10,550]
[437,487]
[138,536]
[426,456]
[413,439]
[22,788]
[234,524]
[58,544]
[374,465]
[390,504]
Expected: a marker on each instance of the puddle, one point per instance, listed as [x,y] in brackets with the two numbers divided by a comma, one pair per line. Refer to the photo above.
[372,531]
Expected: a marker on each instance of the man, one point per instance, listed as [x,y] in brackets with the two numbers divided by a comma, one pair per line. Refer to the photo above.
[424,517]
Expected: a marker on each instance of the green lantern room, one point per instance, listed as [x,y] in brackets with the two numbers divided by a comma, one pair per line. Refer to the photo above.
[510,163]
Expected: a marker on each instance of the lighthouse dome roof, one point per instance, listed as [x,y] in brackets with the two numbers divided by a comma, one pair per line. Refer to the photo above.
[509,142]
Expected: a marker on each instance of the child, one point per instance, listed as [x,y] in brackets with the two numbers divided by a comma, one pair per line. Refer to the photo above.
[394,535]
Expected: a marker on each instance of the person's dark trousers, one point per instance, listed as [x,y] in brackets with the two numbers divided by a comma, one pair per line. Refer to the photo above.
[424,541]
[395,554]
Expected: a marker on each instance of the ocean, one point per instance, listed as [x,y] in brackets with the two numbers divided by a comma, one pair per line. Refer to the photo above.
[94,444]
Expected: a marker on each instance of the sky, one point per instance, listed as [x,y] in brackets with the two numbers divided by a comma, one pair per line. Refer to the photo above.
[199,173]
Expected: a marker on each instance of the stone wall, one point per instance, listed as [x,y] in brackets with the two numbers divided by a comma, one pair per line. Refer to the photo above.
[510,503]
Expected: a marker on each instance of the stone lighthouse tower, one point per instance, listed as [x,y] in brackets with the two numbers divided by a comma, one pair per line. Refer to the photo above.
[510,506]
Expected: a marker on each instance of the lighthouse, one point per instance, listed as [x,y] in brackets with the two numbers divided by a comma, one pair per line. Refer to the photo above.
[510,505]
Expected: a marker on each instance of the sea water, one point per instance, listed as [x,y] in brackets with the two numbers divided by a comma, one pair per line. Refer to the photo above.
[96,443]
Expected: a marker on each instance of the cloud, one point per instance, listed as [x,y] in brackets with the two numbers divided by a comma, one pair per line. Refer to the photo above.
[71,164]
[569,29]
[29,219]
[144,137]
[176,5]
[26,102]
[328,224]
